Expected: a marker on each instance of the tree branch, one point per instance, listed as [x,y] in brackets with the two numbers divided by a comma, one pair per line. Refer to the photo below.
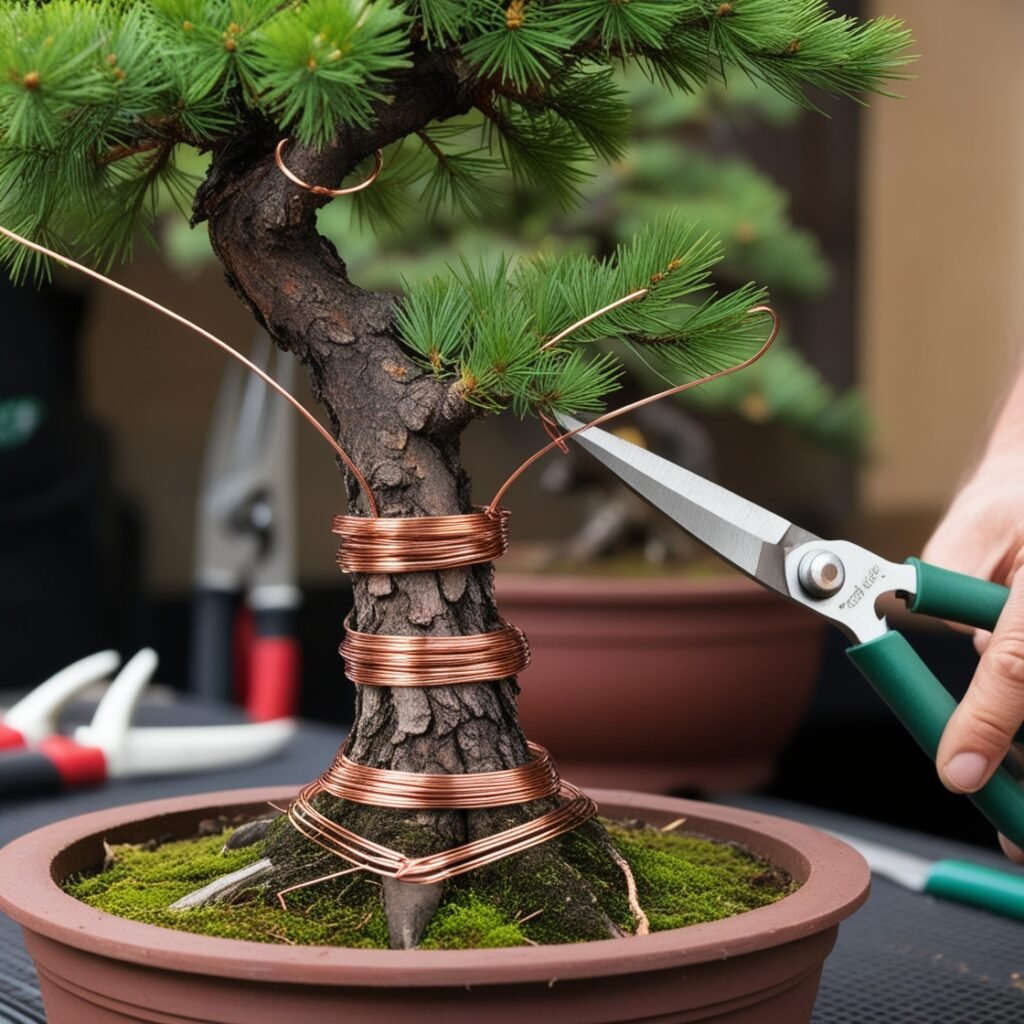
[263,229]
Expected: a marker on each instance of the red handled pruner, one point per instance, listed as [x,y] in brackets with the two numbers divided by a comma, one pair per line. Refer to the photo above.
[37,759]
[245,604]
[840,581]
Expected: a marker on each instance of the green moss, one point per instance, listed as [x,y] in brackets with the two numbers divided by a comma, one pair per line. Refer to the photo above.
[471,924]
[681,879]
[685,879]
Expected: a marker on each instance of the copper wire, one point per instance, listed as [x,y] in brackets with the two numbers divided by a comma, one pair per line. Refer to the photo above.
[380,787]
[222,345]
[559,441]
[323,190]
[421,543]
[562,335]
[381,860]
[373,659]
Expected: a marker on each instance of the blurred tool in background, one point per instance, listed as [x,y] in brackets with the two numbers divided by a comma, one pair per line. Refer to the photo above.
[245,605]
[38,759]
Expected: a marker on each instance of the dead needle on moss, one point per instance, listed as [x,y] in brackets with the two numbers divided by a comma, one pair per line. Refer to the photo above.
[529,917]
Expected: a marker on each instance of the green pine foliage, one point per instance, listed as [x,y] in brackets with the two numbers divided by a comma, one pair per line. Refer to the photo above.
[486,328]
[100,98]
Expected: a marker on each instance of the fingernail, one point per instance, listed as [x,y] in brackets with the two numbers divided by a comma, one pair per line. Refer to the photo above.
[966,771]
[1014,852]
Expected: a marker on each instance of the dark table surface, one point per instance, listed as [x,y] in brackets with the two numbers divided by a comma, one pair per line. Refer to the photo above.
[904,958]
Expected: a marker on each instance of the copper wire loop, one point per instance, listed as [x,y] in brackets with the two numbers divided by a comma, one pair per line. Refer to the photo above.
[384,660]
[381,860]
[380,787]
[421,543]
[678,389]
[323,190]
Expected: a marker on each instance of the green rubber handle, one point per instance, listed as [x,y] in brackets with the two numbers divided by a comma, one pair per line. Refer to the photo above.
[956,597]
[924,706]
[988,888]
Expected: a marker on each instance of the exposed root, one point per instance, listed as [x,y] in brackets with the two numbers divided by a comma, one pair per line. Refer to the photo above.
[643,925]
[409,909]
[226,887]
[561,880]
[250,833]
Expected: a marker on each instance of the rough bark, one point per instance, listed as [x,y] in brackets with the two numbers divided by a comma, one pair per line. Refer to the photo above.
[402,428]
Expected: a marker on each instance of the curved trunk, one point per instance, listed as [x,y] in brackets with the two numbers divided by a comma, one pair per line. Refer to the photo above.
[401,427]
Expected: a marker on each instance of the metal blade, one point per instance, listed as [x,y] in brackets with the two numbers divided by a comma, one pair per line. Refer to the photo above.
[907,869]
[747,536]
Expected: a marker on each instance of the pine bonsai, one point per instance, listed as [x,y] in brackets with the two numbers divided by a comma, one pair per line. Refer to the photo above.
[97,97]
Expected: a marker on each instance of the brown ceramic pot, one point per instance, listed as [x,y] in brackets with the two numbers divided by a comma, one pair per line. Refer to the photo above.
[662,684]
[761,967]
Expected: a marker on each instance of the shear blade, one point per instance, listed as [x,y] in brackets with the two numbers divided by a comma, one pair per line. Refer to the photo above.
[745,535]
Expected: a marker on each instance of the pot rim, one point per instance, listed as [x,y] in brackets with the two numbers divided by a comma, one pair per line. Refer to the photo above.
[836,884]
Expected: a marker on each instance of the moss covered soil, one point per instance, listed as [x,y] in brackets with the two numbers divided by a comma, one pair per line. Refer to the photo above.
[682,879]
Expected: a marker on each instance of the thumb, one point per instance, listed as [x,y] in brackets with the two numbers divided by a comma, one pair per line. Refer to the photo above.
[980,730]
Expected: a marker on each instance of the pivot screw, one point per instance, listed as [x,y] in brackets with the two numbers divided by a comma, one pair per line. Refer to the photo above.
[821,573]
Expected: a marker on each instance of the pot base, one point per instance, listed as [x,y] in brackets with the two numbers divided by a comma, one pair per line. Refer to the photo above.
[83,992]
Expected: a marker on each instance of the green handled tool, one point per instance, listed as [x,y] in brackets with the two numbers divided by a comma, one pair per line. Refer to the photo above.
[961,881]
[838,580]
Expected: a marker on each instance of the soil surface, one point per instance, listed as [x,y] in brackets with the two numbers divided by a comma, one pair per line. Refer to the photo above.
[680,878]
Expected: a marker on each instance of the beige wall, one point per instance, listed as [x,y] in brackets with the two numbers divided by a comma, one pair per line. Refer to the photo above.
[943,256]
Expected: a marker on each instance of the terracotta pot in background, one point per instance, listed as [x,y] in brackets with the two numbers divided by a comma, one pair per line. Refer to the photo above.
[662,684]
[761,967]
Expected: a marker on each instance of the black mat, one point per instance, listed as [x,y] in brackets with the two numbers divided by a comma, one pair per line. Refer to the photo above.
[903,959]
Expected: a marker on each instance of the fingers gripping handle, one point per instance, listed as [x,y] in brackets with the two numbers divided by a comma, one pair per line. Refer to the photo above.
[924,706]
[956,597]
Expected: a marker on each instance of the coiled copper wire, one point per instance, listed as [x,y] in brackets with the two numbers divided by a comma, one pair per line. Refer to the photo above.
[409,545]
[422,543]
[381,860]
[381,660]
[377,545]
[379,787]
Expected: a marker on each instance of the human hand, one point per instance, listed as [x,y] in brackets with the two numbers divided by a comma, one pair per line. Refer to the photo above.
[982,535]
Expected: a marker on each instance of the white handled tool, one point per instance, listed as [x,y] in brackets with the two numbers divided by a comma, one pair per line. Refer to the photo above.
[109,746]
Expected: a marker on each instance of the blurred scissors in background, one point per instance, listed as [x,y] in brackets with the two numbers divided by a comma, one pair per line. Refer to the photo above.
[245,528]
[841,582]
[35,758]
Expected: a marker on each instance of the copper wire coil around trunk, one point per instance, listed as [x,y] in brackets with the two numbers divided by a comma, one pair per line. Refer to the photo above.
[380,787]
[372,660]
[381,860]
[421,543]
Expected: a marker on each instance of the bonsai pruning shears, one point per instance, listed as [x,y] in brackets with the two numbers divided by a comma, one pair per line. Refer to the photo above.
[245,529]
[841,582]
[36,759]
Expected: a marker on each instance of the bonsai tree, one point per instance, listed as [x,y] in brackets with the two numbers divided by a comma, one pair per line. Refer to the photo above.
[96,98]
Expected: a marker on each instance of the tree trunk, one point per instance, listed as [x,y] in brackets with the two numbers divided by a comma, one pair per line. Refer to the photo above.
[401,426]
